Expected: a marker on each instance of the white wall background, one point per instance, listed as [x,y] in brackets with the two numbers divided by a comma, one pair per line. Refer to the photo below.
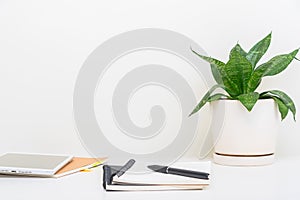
[44,43]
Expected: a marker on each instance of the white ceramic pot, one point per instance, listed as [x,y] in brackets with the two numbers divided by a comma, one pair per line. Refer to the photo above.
[248,138]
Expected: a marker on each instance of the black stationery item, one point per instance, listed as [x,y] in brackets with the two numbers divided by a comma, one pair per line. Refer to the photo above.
[180,172]
[127,166]
[107,175]
[110,171]
[127,181]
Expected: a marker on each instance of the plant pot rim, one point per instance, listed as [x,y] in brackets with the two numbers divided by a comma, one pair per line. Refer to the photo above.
[235,100]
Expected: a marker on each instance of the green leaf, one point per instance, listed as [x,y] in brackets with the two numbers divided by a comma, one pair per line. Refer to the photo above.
[221,75]
[238,48]
[283,109]
[248,100]
[254,81]
[215,65]
[216,74]
[288,102]
[258,50]
[218,96]
[239,70]
[277,64]
[270,68]
[205,99]
[210,60]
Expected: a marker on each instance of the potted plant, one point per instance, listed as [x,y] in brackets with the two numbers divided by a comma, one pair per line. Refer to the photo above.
[248,138]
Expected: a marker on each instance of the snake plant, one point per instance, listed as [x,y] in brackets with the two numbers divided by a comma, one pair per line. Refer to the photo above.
[241,76]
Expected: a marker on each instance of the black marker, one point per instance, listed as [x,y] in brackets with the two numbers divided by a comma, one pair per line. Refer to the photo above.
[180,172]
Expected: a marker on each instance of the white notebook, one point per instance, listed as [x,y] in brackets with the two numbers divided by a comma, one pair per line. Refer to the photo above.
[160,181]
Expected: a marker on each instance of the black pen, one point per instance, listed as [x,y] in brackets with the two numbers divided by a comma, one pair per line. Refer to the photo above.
[180,172]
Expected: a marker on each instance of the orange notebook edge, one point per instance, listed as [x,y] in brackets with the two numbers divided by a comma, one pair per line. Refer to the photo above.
[78,164]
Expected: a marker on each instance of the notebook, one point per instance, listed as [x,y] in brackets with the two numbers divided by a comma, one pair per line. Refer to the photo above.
[154,180]
[78,164]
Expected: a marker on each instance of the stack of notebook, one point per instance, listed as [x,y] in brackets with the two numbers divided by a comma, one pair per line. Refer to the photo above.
[129,181]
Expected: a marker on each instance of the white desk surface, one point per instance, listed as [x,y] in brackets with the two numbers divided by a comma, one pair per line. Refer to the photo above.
[277,181]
